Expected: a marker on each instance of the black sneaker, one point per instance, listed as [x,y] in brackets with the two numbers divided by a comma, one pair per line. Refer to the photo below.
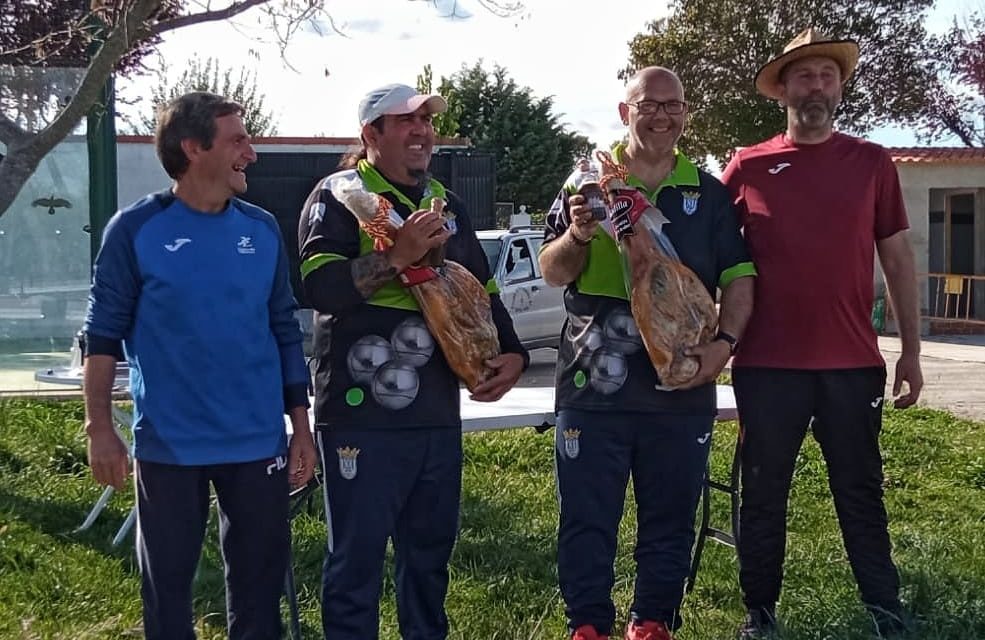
[760,624]
[890,622]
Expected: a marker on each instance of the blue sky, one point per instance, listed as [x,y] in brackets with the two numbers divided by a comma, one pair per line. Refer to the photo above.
[580,46]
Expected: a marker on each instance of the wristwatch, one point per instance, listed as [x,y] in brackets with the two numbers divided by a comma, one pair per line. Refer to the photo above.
[729,339]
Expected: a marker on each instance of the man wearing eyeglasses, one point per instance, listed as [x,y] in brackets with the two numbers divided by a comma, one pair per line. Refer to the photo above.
[611,421]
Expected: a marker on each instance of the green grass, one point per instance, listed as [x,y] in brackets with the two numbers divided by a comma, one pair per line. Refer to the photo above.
[58,584]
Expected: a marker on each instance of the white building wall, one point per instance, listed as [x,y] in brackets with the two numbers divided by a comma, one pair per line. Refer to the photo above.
[917,180]
[923,186]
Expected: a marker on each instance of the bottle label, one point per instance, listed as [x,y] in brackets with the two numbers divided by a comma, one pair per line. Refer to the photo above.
[595,200]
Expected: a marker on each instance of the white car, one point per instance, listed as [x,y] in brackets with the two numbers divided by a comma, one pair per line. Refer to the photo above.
[536,308]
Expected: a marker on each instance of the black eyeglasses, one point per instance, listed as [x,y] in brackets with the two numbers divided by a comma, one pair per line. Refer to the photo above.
[652,107]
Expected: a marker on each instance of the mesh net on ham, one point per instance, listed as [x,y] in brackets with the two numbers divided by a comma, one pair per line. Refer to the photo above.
[455,305]
[670,304]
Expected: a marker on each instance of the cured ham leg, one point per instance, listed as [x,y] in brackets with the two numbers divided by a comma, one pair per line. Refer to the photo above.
[669,303]
[457,310]
[455,305]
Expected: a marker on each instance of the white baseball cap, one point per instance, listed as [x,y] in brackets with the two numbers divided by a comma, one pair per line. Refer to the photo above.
[396,99]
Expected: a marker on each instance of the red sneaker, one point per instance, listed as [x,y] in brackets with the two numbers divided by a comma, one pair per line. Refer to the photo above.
[648,631]
[587,632]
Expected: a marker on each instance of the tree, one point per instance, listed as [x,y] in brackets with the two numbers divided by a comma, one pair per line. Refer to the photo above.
[445,124]
[534,152]
[717,46]
[207,76]
[104,36]
[956,102]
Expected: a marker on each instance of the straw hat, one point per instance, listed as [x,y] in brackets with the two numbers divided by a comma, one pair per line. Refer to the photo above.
[808,43]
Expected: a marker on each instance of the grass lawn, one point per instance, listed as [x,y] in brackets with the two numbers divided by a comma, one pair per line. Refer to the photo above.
[58,584]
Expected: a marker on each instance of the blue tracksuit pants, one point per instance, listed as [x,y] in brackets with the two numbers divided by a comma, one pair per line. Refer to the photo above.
[595,454]
[403,484]
[172,513]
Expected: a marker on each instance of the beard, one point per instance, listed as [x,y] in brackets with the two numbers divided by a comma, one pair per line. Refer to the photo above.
[814,111]
[422,176]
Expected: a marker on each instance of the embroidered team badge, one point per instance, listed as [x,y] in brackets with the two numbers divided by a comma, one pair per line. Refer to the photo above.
[245,245]
[347,462]
[450,223]
[689,201]
[571,446]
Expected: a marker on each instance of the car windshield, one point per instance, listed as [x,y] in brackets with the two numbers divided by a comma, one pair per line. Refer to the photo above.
[492,248]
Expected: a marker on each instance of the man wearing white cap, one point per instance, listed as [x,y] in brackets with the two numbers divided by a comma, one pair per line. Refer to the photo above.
[815,206]
[387,408]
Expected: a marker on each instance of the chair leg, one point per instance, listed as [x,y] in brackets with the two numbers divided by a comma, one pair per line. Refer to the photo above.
[122,419]
[735,489]
[125,527]
[703,529]
[96,509]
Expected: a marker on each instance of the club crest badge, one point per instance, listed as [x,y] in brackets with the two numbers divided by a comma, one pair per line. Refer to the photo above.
[571,447]
[450,223]
[347,461]
[689,201]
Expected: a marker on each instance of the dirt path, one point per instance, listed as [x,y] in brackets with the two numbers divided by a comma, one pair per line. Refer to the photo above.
[953,372]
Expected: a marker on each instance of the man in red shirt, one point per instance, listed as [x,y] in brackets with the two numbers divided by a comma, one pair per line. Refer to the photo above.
[814,204]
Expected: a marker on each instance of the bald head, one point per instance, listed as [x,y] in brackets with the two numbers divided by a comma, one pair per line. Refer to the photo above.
[659,78]
[654,113]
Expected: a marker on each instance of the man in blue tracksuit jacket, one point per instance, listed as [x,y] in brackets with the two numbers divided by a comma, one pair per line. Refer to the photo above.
[191,285]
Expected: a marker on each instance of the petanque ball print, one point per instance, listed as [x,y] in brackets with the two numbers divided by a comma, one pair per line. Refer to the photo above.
[586,342]
[608,371]
[412,342]
[395,385]
[367,355]
[621,332]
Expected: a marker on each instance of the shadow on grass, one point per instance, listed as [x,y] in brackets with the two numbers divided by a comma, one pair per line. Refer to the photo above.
[945,603]
[61,518]
[10,462]
[492,542]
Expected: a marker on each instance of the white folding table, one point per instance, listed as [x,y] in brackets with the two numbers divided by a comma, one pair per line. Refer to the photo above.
[72,376]
[534,406]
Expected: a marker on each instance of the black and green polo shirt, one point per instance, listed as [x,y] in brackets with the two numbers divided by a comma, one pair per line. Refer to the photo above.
[378,366]
[602,364]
